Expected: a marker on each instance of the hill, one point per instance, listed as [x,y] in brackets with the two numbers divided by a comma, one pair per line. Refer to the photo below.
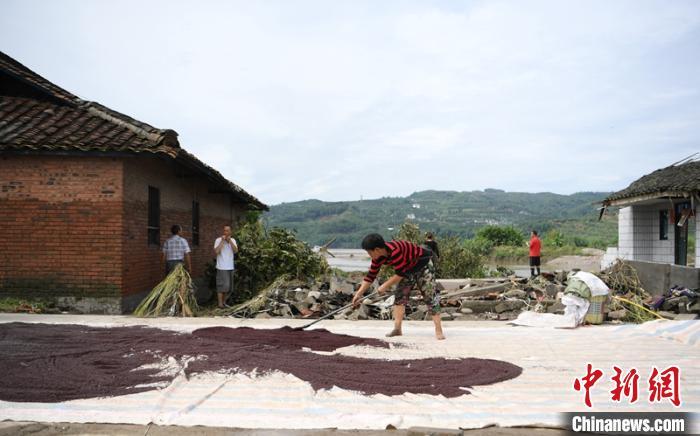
[448,213]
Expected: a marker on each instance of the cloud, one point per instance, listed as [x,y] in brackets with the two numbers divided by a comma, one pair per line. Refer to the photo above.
[338,100]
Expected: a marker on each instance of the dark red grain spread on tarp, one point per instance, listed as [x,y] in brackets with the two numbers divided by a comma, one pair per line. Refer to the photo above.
[53,362]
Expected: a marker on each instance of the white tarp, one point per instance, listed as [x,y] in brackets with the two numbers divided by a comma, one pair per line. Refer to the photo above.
[594,283]
[575,309]
[551,360]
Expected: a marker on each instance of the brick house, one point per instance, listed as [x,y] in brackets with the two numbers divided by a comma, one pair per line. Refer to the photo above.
[657,213]
[88,195]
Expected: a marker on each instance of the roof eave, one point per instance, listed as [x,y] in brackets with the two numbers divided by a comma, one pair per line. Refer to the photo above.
[626,201]
[226,185]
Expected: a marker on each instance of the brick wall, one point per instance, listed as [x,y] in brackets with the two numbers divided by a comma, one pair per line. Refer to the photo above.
[60,225]
[178,188]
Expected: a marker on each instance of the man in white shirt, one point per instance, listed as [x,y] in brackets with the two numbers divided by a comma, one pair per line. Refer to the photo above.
[225,247]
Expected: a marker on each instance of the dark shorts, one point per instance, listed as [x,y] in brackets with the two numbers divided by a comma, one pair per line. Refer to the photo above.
[421,278]
[534,261]
[224,281]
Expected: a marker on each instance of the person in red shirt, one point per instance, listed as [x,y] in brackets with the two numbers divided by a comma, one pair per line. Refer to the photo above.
[413,269]
[535,251]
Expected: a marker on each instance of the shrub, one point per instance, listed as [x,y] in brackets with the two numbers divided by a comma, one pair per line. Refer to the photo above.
[554,238]
[501,235]
[265,255]
[410,232]
[479,246]
[457,260]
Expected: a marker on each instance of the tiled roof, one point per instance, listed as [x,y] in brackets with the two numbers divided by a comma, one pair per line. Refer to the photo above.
[64,122]
[14,68]
[679,179]
[26,123]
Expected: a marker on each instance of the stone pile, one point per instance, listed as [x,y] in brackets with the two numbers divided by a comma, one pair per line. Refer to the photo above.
[495,298]
[491,298]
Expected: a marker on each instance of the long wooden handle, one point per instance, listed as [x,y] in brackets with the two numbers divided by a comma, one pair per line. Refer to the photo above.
[336,311]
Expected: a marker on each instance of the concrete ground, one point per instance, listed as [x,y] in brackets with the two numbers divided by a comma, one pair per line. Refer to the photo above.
[45,429]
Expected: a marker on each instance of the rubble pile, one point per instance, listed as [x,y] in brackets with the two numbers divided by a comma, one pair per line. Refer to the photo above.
[495,298]
[490,298]
[297,299]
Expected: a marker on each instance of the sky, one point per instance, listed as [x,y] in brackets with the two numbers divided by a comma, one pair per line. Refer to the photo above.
[347,99]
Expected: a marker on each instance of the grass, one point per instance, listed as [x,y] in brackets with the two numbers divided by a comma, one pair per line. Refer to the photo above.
[521,254]
[13,305]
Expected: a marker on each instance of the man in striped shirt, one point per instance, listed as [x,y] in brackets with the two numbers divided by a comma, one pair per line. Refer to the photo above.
[413,268]
[176,250]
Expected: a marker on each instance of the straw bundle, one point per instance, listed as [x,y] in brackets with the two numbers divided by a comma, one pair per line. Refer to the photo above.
[257,303]
[174,296]
[623,280]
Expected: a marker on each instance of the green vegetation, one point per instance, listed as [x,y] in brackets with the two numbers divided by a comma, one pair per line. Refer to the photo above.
[36,305]
[497,235]
[509,254]
[267,254]
[449,213]
[457,258]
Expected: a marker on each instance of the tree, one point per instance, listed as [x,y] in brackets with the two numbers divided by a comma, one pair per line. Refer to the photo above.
[457,260]
[410,232]
[265,255]
[501,235]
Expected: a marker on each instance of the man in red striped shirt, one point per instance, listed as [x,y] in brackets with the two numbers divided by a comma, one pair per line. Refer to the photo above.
[413,268]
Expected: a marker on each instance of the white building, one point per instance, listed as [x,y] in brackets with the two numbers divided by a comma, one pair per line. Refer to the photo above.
[656,212]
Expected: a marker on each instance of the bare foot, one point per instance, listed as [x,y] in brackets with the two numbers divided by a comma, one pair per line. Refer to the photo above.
[439,336]
[393,333]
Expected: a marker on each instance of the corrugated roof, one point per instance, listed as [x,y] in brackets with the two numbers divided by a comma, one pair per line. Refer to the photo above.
[675,180]
[64,122]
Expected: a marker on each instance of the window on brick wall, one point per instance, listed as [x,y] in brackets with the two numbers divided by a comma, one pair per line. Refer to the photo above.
[195,223]
[153,216]
[663,225]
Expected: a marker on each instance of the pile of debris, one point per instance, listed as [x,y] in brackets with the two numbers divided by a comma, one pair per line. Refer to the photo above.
[502,298]
[631,302]
[289,298]
[496,298]
[489,298]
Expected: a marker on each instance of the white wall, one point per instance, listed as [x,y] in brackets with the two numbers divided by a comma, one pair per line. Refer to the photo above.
[662,251]
[625,233]
[697,243]
[638,235]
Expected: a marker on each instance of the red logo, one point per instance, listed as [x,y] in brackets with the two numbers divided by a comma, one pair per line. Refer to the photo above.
[627,386]
[588,382]
[663,385]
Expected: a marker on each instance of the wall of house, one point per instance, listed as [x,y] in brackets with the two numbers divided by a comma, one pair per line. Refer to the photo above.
[60,227]
[142,262]
[638,235]
[697,242]
[625,233]
[648,245]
